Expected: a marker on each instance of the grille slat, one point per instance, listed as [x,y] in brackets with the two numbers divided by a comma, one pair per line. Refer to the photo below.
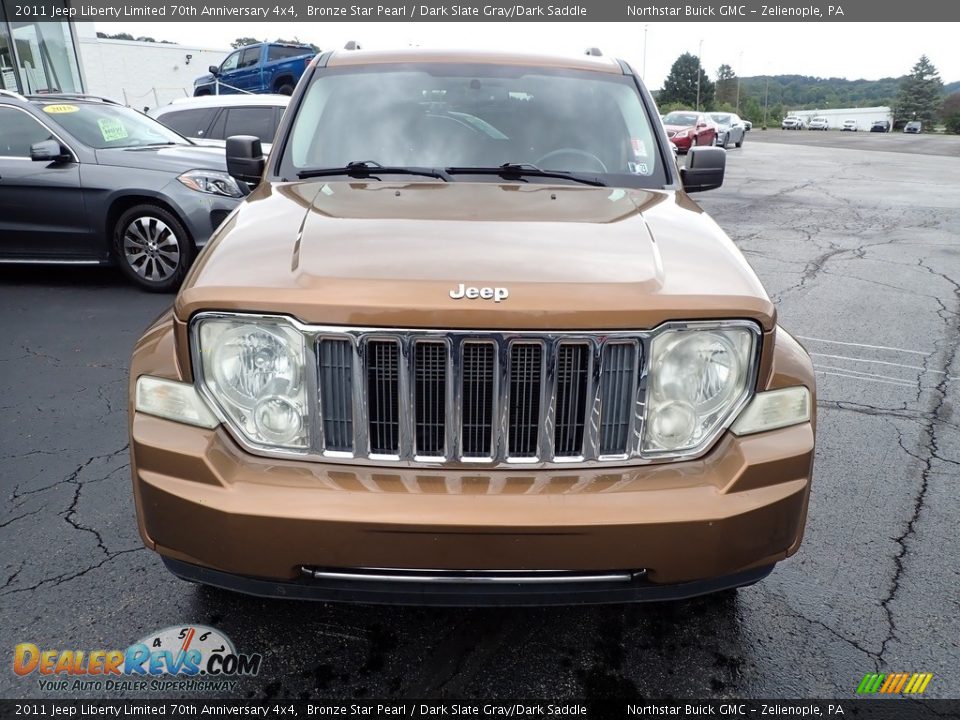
[336,394]
[478,388]
[525,377]
[383,395]
[617,375]
[430,396]
[571,390]
[493,398]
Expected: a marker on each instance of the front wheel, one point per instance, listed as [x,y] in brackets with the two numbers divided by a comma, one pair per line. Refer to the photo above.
[152,247]
[285,89]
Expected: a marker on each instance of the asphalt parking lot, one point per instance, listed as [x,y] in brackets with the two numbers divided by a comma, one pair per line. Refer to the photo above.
[860,247]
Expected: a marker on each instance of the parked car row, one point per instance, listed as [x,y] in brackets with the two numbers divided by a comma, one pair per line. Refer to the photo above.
[795,122]
[687,129]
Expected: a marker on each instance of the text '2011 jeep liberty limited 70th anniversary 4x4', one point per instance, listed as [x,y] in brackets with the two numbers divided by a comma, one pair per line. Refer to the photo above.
[469,341]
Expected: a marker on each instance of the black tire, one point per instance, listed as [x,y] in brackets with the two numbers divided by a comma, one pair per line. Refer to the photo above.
[285,89]
[740,144]
[152,247]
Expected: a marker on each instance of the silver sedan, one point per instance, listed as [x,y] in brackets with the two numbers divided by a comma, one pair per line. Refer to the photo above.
[731,129]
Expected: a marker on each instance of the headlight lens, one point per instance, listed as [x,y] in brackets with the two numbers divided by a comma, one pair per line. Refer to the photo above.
[697,378]
[212,182]
[682,133]
[255,372]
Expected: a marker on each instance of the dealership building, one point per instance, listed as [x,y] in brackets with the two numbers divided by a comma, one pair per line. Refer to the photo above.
[47,57]
[38,57]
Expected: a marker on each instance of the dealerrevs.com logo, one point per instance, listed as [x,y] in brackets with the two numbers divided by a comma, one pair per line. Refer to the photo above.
[184,657]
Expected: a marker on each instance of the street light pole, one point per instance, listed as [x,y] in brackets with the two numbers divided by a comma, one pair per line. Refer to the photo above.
[643,74]
[699,72]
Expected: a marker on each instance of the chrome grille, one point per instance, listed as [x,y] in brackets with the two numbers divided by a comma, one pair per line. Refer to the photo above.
[465,398]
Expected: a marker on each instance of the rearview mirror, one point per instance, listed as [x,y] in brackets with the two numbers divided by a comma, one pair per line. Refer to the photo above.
[245,161]
[214,70]
[704,170]
[48,151]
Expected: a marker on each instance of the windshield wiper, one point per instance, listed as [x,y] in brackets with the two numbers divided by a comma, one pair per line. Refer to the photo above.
[515,171]
[369,169]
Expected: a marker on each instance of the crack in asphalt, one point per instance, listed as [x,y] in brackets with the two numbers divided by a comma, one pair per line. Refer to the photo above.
[929,441]
[58,580]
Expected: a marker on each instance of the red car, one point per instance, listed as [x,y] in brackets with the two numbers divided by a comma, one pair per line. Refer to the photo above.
[687,128]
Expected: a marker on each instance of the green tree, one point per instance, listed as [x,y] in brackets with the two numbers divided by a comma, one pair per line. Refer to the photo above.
[919,96]
[241,41]
[681,84]
[726,91]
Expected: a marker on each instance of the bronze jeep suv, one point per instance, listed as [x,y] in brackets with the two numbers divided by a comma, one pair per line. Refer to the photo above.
[469,341]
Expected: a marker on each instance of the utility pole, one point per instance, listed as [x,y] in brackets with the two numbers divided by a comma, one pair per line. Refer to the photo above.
[699,72]
[766,94]
[643,74]
[739,70]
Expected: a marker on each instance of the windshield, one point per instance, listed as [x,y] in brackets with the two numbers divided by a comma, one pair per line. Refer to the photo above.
[438,115]
[110,126]
[679,118]
[721,118]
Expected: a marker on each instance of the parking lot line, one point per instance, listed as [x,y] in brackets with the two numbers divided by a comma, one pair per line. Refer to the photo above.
[863,345]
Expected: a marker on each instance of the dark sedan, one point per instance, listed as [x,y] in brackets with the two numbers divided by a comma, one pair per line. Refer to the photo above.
[85,180]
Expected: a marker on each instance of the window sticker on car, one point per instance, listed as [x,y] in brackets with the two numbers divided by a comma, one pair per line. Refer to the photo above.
[111,129]
[639,147]
[57,109]
[638,168]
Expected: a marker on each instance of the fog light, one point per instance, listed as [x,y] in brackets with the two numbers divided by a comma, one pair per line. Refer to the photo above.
[277,419]
[173,401]
[774,409]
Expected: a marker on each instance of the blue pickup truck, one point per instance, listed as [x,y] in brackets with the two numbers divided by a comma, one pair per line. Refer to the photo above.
[260,68]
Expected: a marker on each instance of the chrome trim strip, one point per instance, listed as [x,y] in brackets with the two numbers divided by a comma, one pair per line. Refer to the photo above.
[467,577]
[38,261]
[501,341]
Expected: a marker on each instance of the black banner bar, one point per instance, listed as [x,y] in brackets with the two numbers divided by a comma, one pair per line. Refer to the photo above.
[894,708]
[482,10]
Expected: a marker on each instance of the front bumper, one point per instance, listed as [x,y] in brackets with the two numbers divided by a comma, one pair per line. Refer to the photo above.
[204,502]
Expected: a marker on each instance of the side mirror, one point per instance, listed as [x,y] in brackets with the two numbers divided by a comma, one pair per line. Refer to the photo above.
[48,151]
[214,70]
[245,161]
[701,126]
[704,170]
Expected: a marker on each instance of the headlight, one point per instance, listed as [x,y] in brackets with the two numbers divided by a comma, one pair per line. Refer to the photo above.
[254,370]
[698,377]
[212,182]
[682,133]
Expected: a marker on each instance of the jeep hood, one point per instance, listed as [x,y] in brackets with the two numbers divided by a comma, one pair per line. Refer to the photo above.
[388,254]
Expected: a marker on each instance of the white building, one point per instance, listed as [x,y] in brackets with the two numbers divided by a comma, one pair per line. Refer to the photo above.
[835,116]
[143,75]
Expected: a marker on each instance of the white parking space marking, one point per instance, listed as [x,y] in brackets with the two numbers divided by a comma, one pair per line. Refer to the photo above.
[864,345]
[879,362]
[866,379]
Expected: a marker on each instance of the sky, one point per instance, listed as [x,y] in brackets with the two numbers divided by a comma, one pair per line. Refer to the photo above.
[850,50]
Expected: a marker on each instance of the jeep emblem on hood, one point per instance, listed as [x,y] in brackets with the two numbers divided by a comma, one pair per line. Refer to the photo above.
[485,293]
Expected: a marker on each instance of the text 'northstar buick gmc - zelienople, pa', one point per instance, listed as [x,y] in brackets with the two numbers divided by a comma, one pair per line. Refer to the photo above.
[469,341]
